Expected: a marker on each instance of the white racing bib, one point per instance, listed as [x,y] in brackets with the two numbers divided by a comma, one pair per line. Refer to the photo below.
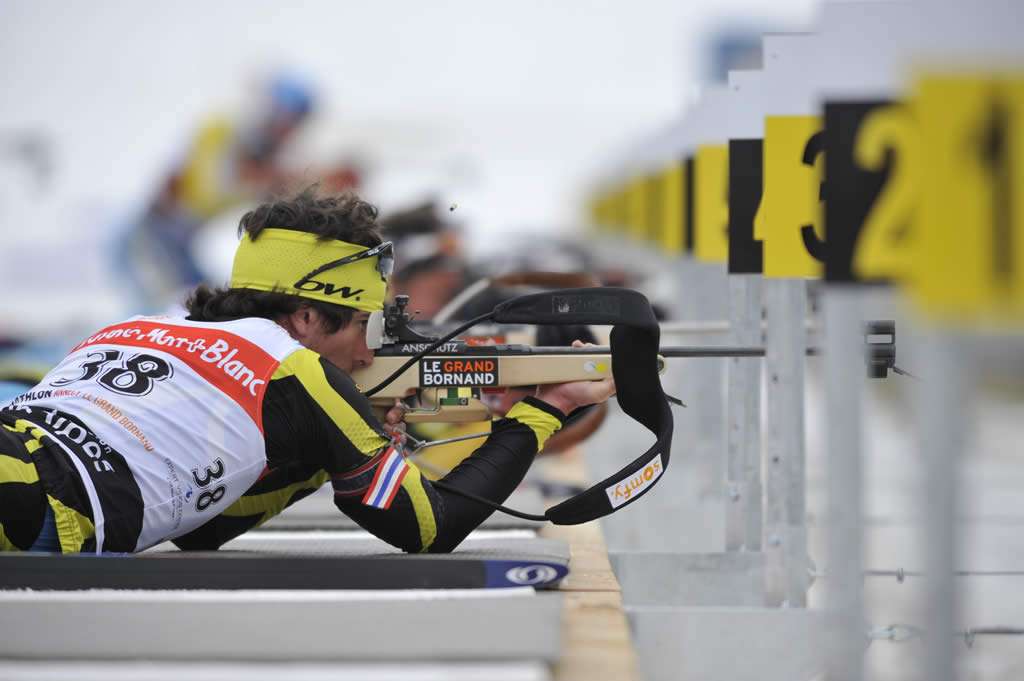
[179,403]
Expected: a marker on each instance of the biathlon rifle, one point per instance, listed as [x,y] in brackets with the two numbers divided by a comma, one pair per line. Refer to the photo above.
[450,382]
[457,366]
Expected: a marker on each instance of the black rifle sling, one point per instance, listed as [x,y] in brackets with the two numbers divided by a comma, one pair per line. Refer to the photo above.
[634,348]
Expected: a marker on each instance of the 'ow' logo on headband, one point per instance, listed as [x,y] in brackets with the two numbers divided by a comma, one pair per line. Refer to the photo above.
[328,289]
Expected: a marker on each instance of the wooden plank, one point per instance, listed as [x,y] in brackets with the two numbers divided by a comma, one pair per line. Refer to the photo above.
[596,643]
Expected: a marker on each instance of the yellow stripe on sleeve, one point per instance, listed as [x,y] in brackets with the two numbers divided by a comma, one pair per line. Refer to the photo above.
[539,421]
[16,470]
[5,543]
[21,426]
[413,485]
[269,504]
[73,528]
[305,366]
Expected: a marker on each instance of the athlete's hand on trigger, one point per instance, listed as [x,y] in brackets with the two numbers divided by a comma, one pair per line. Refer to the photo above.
[394,420]
[569,396]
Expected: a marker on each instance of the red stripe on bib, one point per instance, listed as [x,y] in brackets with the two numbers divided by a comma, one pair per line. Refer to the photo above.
[237,367]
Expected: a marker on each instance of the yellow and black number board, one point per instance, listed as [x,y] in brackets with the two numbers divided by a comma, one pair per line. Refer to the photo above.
[871,152]
[790,214]
[711,209]
[745,186]
[969,250]
[689,203]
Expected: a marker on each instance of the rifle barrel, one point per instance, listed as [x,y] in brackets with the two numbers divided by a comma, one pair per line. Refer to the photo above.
[670,351]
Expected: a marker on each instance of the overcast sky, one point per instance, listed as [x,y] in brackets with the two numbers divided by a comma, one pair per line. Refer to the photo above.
[503,108]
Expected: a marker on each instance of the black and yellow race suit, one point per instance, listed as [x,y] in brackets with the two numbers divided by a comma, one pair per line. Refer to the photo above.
[317,427]
[307,445]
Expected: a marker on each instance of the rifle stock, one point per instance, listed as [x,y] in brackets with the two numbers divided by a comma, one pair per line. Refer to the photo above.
[448,387]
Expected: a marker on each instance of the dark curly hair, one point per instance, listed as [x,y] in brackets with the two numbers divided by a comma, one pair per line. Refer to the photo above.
[344,217]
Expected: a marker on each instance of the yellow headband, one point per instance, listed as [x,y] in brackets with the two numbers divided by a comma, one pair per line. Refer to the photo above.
[280,259]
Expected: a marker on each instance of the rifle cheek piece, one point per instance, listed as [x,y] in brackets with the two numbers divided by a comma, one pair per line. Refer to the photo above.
[634,348]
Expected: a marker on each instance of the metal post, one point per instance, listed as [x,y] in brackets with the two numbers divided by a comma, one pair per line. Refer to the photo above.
[942,398]
[844,386]
[743,403]
[705,419]
[785,527]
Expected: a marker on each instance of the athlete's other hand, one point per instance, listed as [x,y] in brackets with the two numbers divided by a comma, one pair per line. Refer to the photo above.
[394,420]
[567,397]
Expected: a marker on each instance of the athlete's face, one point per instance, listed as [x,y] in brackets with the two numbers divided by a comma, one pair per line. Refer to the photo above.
[345,348]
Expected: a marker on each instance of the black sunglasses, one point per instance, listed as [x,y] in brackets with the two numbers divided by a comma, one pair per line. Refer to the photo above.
[385,262]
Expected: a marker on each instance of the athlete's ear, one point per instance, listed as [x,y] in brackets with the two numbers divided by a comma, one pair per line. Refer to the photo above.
[300,323]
